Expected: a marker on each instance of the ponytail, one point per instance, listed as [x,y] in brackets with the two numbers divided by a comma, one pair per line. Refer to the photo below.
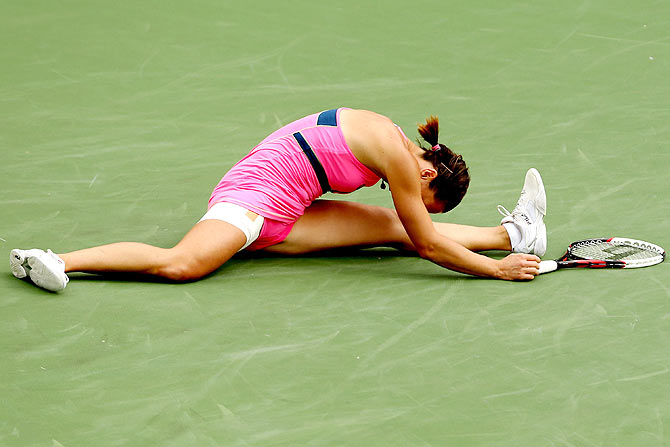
[430,131]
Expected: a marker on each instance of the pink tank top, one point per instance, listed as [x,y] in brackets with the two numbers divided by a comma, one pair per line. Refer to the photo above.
[276,179]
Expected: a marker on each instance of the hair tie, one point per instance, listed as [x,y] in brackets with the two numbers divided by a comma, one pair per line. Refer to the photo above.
[437,147]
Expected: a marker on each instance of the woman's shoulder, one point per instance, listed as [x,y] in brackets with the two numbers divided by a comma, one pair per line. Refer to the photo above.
[368,128]
[365,116]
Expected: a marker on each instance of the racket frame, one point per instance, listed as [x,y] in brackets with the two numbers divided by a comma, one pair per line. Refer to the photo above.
[570,260]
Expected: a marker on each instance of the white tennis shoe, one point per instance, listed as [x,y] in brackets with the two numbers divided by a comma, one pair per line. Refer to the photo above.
[528,216]
[45,269]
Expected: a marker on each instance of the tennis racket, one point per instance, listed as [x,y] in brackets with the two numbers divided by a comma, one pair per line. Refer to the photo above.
[615,252]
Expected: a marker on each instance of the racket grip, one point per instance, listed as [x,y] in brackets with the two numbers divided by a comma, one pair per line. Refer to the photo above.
[548,266]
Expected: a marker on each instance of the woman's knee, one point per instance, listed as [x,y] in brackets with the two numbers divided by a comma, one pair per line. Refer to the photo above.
[395,229]
[181,267]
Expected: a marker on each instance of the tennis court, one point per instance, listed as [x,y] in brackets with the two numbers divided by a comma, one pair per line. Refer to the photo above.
[118,119]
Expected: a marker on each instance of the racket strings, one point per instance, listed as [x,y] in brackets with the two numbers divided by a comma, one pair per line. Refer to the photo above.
[607,251]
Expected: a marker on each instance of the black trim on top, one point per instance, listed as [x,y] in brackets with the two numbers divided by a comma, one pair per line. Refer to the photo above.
[327,118]
[314,161]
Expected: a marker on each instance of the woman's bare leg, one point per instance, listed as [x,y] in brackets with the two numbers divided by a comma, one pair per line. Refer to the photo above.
[333,224]
[205,248]
[476,238]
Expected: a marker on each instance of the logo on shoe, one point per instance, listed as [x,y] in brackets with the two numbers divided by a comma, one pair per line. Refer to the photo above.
[525,218]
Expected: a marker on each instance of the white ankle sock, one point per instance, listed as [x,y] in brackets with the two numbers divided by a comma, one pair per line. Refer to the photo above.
[513,232]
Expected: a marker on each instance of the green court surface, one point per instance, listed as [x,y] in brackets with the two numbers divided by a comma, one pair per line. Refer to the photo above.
[118,118]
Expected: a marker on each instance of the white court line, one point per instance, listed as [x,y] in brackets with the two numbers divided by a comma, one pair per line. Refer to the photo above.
[644,376]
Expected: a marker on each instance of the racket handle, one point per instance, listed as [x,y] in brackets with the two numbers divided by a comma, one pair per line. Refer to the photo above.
[548,266]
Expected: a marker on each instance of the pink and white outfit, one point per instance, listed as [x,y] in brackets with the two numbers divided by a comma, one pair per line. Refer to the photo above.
[278,179]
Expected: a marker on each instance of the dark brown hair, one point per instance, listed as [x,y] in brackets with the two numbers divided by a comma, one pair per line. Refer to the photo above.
[453,178]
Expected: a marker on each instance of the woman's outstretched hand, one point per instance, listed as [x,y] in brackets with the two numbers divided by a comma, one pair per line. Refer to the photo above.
[519,266]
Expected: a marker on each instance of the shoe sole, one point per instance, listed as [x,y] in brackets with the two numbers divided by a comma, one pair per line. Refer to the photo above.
[540,247]
[541,198]
[44,277]
[541,202]
[16,260]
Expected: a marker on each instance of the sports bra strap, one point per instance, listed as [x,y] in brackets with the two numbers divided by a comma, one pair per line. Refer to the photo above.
[314,161]
[327,118]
